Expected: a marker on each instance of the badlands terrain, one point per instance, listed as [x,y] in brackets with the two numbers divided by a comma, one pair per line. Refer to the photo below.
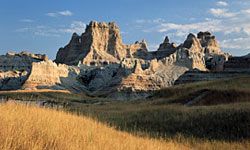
[187,96]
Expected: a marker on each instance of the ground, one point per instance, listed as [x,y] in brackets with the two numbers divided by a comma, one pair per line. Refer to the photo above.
[212,114]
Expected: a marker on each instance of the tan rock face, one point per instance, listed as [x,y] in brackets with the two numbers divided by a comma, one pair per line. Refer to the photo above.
[12,80]
[103,65]
[49,75]
[166,49]
[19,61]
[193,44]
[209,42]
[166,45]
[15,68]
[45,74]
[157,76]
[134,67]
[191,54]
[100,43]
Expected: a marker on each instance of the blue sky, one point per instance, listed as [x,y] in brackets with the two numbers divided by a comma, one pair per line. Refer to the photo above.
[46,25]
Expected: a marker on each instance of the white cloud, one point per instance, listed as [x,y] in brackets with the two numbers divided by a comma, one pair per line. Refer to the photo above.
[22,30]
[232,29]
[181,30]
[27,20]
[236,43]
[51,14]
[222,3]
[246,11]
[153,46]
[65,13]
[60,13]
[142,21]
[76,26]
[222,13]
[40,30]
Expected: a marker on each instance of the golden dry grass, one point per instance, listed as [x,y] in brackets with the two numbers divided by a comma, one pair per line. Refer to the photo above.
[26,127]
[29,127]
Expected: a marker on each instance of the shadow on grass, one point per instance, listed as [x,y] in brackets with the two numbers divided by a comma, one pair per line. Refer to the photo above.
[222,122]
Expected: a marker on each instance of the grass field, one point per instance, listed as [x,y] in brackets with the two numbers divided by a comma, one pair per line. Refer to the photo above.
[26,127]
[166,115]
[218,120]
[231,90]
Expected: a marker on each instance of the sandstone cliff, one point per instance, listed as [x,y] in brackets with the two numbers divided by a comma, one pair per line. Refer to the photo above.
[101,43]
[109,65]
[166,49]
[99,64]
[209,43]
[15,68]
[49,75]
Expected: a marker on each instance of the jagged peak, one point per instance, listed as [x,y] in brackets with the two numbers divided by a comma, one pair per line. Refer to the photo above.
[192,40]
[95,24]
[166,40]
[75,38]
[204,34]
[28,54]
[75,34]
[190,36]
[143,41]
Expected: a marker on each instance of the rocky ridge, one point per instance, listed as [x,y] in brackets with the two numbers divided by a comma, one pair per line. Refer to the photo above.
[101,43]
[99,63]
[15,68]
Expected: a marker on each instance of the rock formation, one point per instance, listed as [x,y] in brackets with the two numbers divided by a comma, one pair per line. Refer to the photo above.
[49,75]
[209,43]
[12,80]
[165,49]
[100,44]
[191,54]
[238,64]
[132,67]
[99,64]
[15,68]
[19,61]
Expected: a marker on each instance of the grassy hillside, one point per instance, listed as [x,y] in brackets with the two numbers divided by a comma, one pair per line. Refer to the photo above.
[222,122]
[25,127]
[40,95]
[231,90]
[220,115]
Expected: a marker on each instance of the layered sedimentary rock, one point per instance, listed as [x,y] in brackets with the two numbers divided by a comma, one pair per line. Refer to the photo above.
[214,57]
[192,76]
[130,79]
[12,80]
[15,68]
[191,53]
[100,44]
[238,64]
[99,64]
[209,42]
[165,49]
[39,79]
[120,67]
[19,61]
[49,75]
[156,76]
